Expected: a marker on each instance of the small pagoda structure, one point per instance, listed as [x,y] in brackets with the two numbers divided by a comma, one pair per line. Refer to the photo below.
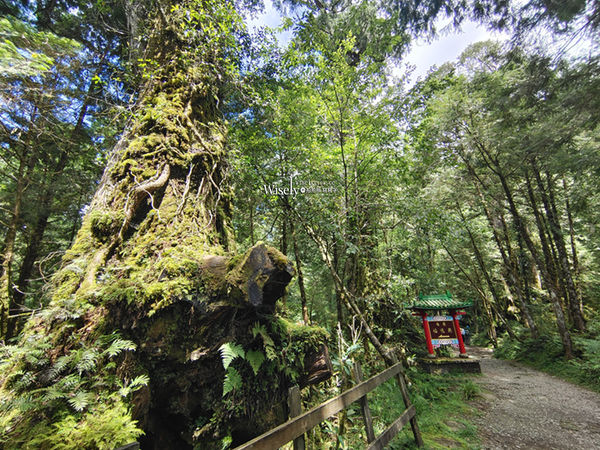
[440,314]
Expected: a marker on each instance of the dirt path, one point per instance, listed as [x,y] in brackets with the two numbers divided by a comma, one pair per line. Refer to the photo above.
[526,409]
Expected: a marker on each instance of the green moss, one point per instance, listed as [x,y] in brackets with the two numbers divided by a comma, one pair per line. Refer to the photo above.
[313,335]
[104,224]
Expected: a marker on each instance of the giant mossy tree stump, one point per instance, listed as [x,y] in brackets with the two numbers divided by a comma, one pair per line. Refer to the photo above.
[152,291]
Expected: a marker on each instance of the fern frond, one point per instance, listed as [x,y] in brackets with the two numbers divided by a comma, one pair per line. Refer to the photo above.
[81,400]
[259,329]
[134,385]
[233,380]
[139,381]
[117,346]
[87,360]
[61,363]
[69,382]
[255,358]
[229,352]
[53,393]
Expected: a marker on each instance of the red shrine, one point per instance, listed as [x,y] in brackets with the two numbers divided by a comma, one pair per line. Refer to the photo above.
[440,314]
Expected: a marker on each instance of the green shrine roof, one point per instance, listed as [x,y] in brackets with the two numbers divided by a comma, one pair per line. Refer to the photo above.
[438,301]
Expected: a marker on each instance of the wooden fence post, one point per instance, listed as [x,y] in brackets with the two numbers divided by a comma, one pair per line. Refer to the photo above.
[364,406]
[301,423]
[408,404]
[295,408]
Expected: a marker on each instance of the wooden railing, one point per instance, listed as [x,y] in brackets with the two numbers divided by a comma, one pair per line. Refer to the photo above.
[300,423]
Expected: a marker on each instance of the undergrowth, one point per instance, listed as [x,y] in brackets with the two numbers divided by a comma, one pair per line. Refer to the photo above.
[443,414]
[443,411]
[546,354]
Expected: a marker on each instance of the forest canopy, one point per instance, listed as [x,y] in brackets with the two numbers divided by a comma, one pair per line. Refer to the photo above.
[163,168]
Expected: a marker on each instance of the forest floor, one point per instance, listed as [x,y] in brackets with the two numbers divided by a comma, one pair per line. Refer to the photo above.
[522,408]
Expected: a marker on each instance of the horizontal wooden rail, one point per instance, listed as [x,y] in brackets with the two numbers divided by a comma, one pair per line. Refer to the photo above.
[393,429]
[299,425]
[132,446]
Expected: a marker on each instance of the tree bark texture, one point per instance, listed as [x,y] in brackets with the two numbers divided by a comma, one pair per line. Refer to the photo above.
[511,265]
[546,274]
[576,268]
[154,264]
[563,257]
[26,165]
[303,298]
[550,280]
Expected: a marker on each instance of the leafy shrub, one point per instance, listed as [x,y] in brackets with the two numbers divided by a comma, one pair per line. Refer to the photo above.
[546,353]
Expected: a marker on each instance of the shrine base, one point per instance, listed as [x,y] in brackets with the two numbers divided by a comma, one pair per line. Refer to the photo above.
[450,365]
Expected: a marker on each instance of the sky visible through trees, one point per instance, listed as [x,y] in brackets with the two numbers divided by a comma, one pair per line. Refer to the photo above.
[158,282]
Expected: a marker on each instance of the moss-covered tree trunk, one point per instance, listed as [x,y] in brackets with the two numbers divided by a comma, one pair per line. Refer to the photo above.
[154,325]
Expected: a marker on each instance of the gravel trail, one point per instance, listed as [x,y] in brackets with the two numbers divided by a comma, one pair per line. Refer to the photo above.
[526,409]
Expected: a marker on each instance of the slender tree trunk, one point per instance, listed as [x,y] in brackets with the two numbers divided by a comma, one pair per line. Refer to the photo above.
[345,296]
[548,278]
[563,330]
[252,238]
[508,258]
[497,303]
[31,254]
[576,269]
[549,261]
[546,237]
[549,202]
[485,303]
[284,234]
[339,304]
[487,309]
[521,262]
[303,300]
[44,209]
[479,258]
[26,165]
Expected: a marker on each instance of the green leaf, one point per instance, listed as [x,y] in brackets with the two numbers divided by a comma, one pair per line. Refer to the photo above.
[259,329]
[229,352]
[255,358]
[233,380]
[81,400]
[138,382]
[88,360]
[226,442]
[117,346]
[271,353]
[60,365]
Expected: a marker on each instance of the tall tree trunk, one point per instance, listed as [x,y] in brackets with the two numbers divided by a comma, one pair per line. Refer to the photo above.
[479,258]
[505,250]
[335,262]
[26,165]
[549,245]
[345,296]
[576,269]
[151,269]
[303,300]
[485,303]
[496,305]
[496,168]
[563,258]
[548,278]
[44,210]
[252,238]
[522,262]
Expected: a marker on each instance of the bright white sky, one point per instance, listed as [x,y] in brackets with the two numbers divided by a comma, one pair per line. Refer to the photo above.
[423,55]
[448,46]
